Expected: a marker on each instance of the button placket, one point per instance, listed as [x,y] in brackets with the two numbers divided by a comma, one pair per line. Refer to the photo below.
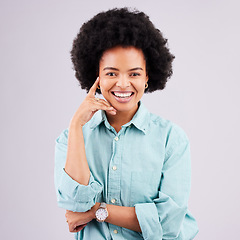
[114,180]
[116,232]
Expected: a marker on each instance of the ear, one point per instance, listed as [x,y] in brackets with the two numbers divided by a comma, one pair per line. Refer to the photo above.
[99,84]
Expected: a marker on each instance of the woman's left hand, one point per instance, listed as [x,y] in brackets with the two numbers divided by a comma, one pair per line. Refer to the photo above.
[78,220]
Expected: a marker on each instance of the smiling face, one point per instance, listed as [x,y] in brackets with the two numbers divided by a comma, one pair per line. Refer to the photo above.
[122,73]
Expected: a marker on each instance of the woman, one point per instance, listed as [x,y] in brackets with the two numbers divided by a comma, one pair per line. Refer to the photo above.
[122,172]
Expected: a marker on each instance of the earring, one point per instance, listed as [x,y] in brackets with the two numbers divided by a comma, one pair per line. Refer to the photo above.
[98,87]
[146,85]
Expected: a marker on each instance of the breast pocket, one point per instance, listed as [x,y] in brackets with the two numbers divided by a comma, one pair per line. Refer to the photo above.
[144,186]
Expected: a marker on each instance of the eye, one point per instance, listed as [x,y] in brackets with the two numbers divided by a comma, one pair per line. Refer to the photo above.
[111,74]
[135,74]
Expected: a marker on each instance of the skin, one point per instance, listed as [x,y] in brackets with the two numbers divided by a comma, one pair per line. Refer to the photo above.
[118,215]
[120,70]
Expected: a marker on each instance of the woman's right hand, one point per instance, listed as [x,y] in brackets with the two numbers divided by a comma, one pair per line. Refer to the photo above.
[91,105]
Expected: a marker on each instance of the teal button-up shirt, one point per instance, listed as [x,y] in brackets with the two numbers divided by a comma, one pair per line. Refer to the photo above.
[145,165]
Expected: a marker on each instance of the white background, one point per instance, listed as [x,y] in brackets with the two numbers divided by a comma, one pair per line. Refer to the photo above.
[39,95]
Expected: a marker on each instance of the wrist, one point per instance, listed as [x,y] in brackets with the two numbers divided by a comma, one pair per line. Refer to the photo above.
[75,123]
[94,209]
[102,212]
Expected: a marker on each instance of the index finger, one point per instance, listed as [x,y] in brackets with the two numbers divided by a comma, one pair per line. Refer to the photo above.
[93,89]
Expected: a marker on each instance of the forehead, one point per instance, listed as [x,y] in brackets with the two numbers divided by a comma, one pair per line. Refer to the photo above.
[124,56]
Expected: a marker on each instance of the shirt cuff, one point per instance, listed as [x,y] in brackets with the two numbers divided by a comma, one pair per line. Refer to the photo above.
[83,195]
[148,219]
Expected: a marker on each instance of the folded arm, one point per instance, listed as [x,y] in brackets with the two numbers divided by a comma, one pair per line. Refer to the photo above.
[76,191]
[118,215]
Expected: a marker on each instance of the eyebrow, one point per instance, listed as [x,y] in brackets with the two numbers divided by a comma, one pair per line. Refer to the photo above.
[116,69]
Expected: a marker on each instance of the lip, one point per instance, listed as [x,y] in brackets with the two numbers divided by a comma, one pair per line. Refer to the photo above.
[123,100]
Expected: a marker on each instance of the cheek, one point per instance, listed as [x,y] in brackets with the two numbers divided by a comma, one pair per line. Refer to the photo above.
[105,85]
[140,87]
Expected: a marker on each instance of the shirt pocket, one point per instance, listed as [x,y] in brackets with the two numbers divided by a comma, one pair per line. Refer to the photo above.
[144,187]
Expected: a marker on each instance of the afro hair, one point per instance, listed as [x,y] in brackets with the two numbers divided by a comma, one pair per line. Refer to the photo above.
[121,27]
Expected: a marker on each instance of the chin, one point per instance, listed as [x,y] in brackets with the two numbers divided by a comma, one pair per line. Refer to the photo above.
[125,107]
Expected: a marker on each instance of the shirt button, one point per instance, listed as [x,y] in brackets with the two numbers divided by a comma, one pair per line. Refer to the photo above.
[115,231]
[116,138]
[113,200]
[114,168]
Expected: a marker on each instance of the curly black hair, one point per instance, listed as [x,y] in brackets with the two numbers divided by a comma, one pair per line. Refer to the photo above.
[121,27]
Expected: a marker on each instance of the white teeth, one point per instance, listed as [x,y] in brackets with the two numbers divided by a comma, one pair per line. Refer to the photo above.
[122,95]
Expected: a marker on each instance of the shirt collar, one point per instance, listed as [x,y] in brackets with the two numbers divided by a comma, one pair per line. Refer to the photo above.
[139,120]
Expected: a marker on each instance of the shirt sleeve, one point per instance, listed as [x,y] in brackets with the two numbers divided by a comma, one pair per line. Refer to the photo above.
[167,217]
[70,194]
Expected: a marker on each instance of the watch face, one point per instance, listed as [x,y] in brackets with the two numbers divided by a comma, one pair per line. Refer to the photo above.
[101,214]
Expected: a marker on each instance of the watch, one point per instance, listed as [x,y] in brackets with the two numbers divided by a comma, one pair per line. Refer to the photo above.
[101,213]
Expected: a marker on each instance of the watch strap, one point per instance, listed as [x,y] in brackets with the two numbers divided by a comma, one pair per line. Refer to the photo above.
[103,205]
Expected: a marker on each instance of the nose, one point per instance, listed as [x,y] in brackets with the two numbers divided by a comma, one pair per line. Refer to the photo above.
[123,82]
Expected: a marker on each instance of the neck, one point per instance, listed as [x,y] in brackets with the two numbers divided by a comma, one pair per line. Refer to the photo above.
[121,118]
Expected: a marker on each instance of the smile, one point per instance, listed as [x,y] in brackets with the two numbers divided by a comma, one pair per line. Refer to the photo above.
[122,94]
[123,97]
